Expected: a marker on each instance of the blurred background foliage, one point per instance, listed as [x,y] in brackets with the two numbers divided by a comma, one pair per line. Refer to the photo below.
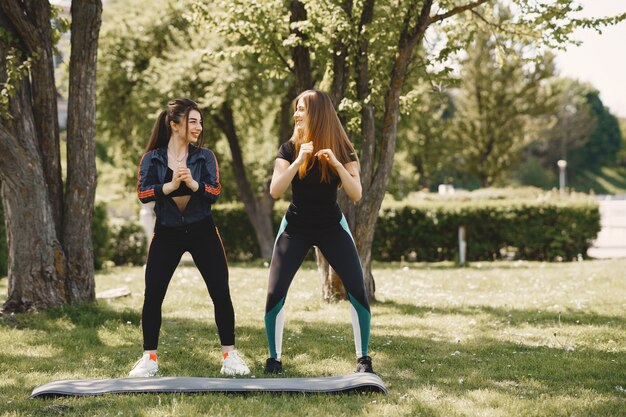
[490,116]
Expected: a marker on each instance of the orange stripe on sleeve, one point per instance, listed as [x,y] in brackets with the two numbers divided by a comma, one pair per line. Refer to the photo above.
[146,193]
[213,190]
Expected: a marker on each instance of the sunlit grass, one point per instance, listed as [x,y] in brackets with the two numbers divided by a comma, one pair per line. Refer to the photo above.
[605,181]
[494,339]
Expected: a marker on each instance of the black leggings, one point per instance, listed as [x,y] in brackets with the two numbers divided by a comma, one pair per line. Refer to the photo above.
[168,244]
[290,249]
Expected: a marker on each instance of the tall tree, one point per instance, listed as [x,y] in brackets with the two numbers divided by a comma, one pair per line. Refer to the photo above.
[502,96]
[48,224]
[605,140]
[381,42]
[170,57]
[429,154]
[571,124]
[583,131]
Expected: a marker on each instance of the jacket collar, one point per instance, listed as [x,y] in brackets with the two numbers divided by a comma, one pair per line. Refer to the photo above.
[195,154]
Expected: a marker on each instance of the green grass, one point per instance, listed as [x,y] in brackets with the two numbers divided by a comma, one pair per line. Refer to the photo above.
[606,181]
[493,339]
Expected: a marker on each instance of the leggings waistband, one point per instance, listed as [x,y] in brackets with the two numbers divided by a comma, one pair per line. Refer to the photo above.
[184,230]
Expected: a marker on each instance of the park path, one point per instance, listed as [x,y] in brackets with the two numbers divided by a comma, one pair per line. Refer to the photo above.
[611,241]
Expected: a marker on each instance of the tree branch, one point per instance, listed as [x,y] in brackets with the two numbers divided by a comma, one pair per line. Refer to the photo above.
[501,28]
[340,55]
[455,11]
[280,56]
[226,123]
[362,75]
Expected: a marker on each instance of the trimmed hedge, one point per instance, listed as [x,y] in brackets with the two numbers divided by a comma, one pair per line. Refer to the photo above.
[428,230]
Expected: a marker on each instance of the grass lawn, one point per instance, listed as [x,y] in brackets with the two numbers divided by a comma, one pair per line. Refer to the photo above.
[493,339]
[606,181]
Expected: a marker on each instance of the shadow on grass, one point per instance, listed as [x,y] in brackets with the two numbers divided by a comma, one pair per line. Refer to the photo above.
[539,318]
[73,339]
[605,181]
[471,265]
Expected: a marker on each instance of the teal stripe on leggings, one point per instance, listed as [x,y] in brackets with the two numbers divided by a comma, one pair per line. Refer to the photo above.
[344,224]
[270,317]
[364,322]
[270,326]
[281,229]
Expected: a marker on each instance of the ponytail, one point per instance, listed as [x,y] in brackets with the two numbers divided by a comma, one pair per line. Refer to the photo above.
[161,132]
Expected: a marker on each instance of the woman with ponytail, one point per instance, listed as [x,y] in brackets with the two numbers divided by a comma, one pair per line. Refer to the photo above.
[317,160]
[183,180]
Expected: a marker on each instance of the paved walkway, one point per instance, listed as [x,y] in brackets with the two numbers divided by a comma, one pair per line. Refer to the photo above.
[611,241]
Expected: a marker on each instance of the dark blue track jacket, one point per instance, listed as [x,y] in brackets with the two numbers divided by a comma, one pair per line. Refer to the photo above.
[151,177]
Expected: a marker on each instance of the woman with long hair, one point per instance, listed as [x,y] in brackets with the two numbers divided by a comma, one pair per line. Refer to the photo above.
[183,180]
[317,160]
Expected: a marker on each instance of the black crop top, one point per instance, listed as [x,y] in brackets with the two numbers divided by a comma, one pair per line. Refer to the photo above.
[182,189]
[314,203]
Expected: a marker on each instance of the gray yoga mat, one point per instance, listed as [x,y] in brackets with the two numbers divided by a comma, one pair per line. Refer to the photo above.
[357,382]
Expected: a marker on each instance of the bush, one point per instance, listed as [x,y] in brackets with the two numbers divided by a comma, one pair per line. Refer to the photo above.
[548,230]
[532,172]
[100,235]
[522,223]
[128,244]
[4,249]
[237,233]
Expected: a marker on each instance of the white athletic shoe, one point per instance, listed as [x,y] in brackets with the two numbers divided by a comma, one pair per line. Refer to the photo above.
[145,366]
[233,364]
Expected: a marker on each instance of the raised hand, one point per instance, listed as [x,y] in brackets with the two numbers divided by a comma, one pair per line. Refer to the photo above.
[329,156]
[305,149]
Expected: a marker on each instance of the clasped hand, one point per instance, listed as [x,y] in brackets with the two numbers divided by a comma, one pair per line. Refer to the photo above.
[183,175]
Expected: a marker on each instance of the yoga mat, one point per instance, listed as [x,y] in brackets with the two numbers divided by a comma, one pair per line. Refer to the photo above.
[356,382]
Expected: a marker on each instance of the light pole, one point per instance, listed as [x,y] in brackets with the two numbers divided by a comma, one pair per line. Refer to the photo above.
[562,163]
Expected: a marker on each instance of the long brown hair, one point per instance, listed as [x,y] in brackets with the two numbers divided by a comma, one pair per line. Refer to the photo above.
[325,131]
[177,110]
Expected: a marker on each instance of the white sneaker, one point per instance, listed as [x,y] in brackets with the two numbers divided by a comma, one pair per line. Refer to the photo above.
[145,366]
[233,364]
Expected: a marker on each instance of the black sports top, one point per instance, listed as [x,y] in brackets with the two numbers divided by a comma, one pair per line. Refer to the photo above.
[182,189]
[314,203]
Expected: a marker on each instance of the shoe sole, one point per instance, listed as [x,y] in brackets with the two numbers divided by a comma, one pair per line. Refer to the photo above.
[224,372]
[152,373]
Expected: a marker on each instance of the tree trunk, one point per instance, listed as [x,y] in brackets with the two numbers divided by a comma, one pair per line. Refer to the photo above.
[36,264]
[31,23]
[81,156]
[376,165]
[341,75]
[332,287]
[300,53]
[45,270]
[259,209]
